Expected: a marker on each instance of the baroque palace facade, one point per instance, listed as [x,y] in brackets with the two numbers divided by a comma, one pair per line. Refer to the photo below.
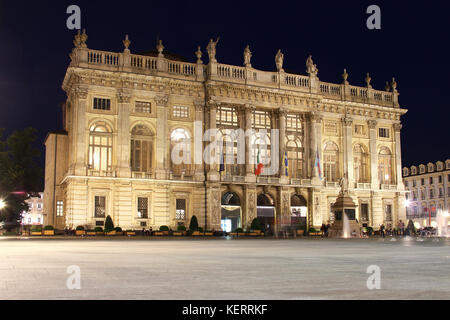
[125,113]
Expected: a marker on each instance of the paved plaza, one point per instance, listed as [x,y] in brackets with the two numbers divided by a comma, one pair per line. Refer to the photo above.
[224,269]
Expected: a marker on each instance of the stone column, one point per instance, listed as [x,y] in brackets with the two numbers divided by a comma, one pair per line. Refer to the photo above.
[348,152]
[398,156]
[249,175]
[213,174]
[213,206]
[284,207]
[282,127]
[316,138]
[123,134]
[373,153]
[250,212]
[198,141]
[80,157]
[162,137]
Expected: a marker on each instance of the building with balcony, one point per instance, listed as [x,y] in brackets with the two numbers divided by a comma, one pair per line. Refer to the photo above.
[126,114]
[428,189]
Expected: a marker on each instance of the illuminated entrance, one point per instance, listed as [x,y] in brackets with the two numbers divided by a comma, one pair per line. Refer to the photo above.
[299,210]
[266,212]
[231,212]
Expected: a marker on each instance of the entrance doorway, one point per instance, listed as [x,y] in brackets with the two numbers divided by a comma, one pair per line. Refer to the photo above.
[299,210]
[231,212]
[265,210]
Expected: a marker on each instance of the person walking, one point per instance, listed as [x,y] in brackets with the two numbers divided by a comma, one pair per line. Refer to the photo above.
[382,230]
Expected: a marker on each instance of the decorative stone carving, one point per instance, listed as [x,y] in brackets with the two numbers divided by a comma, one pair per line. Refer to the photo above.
[211,48]
[279,58]
[282,112]
[347,121]
[368,79]
[397,127]
[81,93]
[212,104]
[83,39]
[394,85]
[315,116]
[126,43]
[160,48]
[123,97]
[247,56]
[199,106]
[77,40]
[345,76]
[161,100]
[311,68]
[198,54]
[387,87]
[372,124]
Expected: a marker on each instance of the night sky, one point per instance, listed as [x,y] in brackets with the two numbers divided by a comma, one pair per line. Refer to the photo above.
[412,46]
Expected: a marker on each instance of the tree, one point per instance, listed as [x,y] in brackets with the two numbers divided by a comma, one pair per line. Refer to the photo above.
[20,174]
[109,224]
[256,225]
[193,225]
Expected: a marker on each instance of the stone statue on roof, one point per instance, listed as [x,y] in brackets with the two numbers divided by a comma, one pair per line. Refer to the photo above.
[211,48]
[247,56]
[279,57]
[311,68]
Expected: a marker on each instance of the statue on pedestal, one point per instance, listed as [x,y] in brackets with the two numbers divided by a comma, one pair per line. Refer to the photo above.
[311,68]
[279,57]
[343,183]
[247,56]
[211,48]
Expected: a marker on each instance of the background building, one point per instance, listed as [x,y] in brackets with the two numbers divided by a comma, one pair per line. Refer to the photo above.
[125,113]
[429,191]
[35,213]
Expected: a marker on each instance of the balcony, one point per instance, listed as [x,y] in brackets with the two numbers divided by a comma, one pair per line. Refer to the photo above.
[388,187]
[101,173]
[142,175]
[363,185]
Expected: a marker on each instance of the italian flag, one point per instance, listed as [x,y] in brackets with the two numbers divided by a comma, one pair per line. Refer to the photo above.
[259,166]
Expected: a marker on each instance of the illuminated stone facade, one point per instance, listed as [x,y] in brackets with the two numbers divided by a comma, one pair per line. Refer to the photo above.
[125,112]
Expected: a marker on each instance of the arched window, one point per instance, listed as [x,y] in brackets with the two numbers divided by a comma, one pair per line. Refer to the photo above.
[100,147]
[141,149]
[331,162]
[229,156]
[360,161]
[385,166]
[294,152]
[180,151]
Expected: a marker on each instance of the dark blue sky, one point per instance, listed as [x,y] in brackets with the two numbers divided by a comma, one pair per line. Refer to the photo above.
[412,46]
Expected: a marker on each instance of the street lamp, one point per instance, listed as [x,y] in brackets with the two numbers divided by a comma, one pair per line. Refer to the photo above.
[2,204]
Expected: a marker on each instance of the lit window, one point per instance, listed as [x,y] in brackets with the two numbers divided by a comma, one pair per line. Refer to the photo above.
[388,212]
[59,208]
[385,166]
[180,112]
[142,208]
[141,149]
[102,104]
[331,162]
[143,107]
[180,213]
[100,206]
[100,147]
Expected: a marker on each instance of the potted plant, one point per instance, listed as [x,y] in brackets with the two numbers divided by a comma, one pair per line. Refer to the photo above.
[130,232]
[98,231]
[49,230]
[181,230]
[237,231]
[36,231]
[109,226]
[193,225]
[79,231]
[300,229]
[255,227]
[165,230]
[118,231]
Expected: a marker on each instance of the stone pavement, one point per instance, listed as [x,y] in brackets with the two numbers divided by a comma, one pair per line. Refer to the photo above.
[224,269]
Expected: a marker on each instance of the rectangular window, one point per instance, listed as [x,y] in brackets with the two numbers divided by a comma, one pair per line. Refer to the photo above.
[364,212]
[406,183]
[440,179]
[102,104]
[414,183]
[180,112]
[59,208]
[388,212]
[143,223]
[383,132]
[142,208]
[100,206]
[431,180]
[143,107]
[180,213]
[423,181]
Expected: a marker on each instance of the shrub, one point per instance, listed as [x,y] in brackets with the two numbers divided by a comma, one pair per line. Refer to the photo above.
[36,228]
[118,229]
[109,224]
[200,229]
[256,225]
[10,233]
[98,229]
[80,228]
[181,228]
[49,227]
[163,228]
[312,230]
[193,225]
[369,230]
[239,230]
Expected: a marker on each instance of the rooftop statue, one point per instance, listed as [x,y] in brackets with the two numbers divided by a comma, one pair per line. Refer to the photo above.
[247,56]
[279,57]
[211,48]
[311,68]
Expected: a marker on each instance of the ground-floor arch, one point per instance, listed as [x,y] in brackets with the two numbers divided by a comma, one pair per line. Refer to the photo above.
[231,212]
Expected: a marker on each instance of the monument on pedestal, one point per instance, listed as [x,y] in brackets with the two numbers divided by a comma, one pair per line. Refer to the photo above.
[345,223]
